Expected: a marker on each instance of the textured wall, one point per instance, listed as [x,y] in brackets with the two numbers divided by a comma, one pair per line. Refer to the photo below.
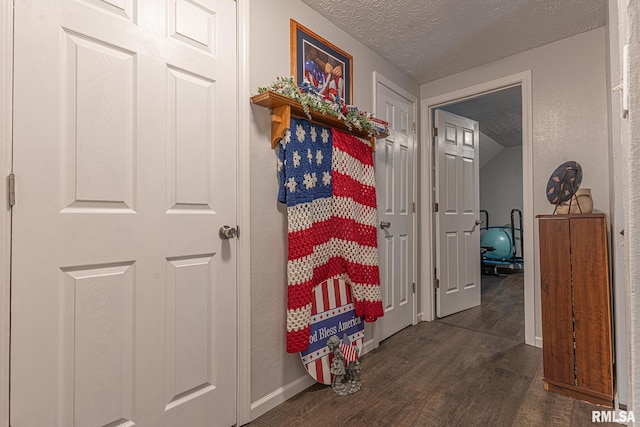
[634,160]
[501,186]
[617,161]
[272,367]
[629,27]
[489,148]
[569,114]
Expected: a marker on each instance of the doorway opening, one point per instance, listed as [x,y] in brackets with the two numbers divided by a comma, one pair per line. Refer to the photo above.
[499,116]
[509,85]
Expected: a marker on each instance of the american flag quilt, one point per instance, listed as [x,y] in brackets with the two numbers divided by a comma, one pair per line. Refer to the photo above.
[328,184]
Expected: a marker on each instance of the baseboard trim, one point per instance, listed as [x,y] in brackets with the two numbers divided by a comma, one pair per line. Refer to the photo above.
[369,345]
[280,395]
[538,341]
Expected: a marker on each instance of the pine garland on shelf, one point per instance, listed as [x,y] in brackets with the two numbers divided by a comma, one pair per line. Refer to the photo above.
[310,99]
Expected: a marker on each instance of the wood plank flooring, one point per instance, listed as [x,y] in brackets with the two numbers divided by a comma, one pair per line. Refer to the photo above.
[501,312]
[470,369]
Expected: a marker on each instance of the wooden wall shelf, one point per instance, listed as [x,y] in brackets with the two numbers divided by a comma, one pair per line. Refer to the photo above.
[284,108]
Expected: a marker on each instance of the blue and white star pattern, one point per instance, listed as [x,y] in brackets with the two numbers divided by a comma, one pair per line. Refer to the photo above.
[325,135]
[305,174]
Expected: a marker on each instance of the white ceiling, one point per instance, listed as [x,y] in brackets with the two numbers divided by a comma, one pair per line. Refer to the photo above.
[430,39]
[499,115]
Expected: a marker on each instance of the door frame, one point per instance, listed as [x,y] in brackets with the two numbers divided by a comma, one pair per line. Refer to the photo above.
[6,132]
[428,105]
[243,264]
[243,197]
[379,78]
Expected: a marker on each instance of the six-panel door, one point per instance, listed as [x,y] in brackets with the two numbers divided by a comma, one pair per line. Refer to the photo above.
[123,293]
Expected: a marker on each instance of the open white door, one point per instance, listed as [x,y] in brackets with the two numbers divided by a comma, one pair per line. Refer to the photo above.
[123,292]
[394,168]
[457,218]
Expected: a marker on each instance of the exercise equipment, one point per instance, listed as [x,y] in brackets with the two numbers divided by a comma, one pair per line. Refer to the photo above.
[498,245]
[497,241]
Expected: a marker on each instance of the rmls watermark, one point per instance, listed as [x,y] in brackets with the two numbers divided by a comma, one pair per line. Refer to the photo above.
[612,417]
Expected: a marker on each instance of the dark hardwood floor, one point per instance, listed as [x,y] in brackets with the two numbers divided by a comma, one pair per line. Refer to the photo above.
[501,312]
[469,369]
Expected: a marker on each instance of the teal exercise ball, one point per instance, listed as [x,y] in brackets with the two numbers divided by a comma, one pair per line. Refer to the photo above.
[500,240]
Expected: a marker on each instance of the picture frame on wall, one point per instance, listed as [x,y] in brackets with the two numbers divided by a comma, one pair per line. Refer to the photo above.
[321,64]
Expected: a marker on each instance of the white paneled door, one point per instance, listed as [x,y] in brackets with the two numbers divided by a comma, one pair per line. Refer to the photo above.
[394,183]
[123,292]
[457,220]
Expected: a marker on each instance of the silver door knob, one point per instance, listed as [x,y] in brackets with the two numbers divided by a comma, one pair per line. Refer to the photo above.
[477,223]
[227,232]
[385,224]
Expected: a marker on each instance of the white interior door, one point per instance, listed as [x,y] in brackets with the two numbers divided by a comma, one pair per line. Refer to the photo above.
[394,183]
[458,197]
[123,293]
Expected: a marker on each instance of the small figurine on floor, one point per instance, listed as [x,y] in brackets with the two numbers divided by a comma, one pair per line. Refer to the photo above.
[337,364]
[344,353]
[353,375]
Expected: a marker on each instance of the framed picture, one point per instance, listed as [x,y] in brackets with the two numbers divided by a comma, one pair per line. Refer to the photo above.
[320,63]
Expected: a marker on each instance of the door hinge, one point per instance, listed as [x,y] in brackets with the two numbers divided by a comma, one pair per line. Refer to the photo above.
[436,283]
[11,182]
[413,127]
[434,132]
[436,208]
[413,287]
[413,207]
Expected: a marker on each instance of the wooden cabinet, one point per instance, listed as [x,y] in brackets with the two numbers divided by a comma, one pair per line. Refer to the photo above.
[576,306]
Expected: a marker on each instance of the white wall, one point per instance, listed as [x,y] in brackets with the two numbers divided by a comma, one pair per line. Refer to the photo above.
[501,185]
[633,236]
[628,27]
[275,373]
[6,105]
[489,148]
[569,115]
[616,185]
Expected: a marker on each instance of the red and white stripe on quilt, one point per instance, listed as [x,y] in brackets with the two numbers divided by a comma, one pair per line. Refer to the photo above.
[335,238]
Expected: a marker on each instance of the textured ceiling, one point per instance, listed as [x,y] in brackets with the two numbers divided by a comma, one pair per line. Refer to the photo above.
[499,115]
[430,39]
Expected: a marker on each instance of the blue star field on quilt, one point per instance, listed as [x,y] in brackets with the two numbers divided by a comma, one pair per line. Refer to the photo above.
[304,163]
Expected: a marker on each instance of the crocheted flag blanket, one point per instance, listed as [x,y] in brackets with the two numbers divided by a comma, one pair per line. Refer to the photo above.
[328,184]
